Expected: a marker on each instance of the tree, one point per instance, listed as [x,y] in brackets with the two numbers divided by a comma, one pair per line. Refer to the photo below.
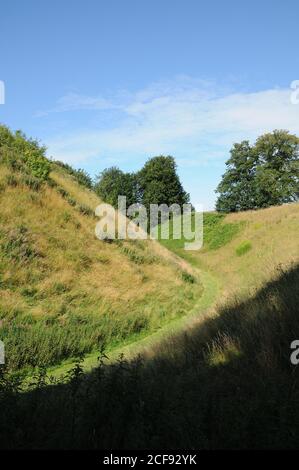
[159,183]
[261,175]
[113,182]
[277,175]
[83,178]
[156,183]
[237,186]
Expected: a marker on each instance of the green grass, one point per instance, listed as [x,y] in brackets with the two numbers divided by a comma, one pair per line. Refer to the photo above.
[243,248]
[216,233]
[141,341]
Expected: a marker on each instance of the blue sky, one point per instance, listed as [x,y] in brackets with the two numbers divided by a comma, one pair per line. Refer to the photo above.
[115,82]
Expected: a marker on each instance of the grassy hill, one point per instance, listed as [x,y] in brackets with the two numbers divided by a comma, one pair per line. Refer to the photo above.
[63,292]
[245,249]
[221,378]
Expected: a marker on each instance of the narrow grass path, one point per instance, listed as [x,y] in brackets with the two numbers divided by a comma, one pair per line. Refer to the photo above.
[145,342]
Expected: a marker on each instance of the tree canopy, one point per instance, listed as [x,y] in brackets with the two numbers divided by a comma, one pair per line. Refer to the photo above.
[159,182]
[261,175]
[112,182]
[156,183]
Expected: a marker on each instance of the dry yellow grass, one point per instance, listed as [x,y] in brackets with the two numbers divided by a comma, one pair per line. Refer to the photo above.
[77,272]
[63,292]
[272,234]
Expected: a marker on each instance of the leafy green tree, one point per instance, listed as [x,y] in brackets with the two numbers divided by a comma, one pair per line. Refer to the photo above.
[261,175]
[237,186]
[156,183]
[113,182]
[159,183]
[277,175]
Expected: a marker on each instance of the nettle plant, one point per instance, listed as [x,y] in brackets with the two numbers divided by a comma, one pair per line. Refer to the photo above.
[37,163]
[34,156]
[24,153]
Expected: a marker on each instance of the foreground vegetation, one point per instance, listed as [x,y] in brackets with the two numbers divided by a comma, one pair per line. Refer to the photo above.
[232,386]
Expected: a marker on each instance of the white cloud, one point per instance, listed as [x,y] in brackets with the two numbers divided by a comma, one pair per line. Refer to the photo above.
[193,120]
[76,102]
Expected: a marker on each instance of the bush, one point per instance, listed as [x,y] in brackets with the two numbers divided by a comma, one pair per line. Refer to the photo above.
[80,175]
[62,192]
[52,183]
[32,183]
[38,165]
[72,202]
[18,245]
[187,277]
[85,210]
[11,180]
[136,257]
[22,153]
[11,159]
[83,178]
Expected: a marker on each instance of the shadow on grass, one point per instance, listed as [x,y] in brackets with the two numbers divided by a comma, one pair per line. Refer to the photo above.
[227,383]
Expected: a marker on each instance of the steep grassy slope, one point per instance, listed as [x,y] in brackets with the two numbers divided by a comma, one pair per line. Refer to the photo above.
[245,249]
[62,291]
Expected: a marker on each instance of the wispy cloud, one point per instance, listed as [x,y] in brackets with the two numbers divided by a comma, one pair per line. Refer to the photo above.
[77,102]
[193,119]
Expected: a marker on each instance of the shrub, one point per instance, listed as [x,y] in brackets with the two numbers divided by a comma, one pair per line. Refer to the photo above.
[66,216]
[31,182]
[136,257]
[29,292]
[60,288]
[85,210]
[72,202]
[22,153]
[80,175]
[38,164]
[62,192]
[52,183]
[18,246]
[6,137]
[11,180]
[11,159]
[83,178]
[187,277]
[85,261]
